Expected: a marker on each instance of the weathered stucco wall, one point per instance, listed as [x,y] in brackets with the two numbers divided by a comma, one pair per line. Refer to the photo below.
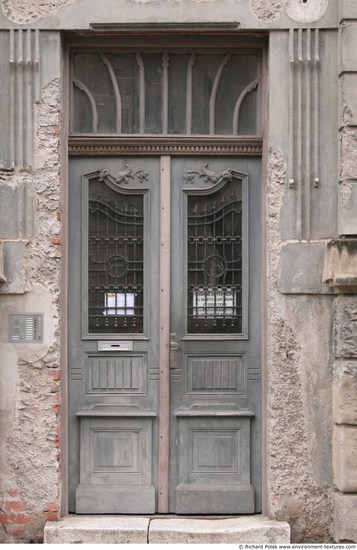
[26,11]
[299,389]
[303,311]
[30,374]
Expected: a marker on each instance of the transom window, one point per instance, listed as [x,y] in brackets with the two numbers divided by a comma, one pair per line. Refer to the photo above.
[166,92]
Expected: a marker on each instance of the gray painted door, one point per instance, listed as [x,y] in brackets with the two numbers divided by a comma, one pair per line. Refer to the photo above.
[115,324]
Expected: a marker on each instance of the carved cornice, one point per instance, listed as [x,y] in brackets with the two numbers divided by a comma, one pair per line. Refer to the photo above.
[94,146]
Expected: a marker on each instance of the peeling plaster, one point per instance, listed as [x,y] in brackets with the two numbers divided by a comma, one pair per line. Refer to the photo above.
[267,10]
[28,11]
[345,195]
[347,115]
[348,164]
[31,437]
[298,405]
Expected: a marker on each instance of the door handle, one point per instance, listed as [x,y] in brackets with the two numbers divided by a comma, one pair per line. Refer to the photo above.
[174,345]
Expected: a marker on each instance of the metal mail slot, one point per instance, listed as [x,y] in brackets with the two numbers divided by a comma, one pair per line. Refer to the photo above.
[115,345]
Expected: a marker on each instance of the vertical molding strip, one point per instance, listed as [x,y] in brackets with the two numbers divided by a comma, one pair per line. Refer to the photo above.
[20,99]
[299,122]
[140,63]
[12,98]
[29,98]
[316,67]
[25,89]
[291,107]
[165,93]
[164,379]
[37,67]
[303,172]
[307,140]
[189,92]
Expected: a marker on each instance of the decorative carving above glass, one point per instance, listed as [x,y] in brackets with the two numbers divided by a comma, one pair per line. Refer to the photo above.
[166,93]
[215,256]
[115,255]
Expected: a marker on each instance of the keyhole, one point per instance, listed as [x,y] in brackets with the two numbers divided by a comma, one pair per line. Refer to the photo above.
[305,1]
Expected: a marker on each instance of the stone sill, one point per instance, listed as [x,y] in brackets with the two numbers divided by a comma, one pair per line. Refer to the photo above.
[166,529]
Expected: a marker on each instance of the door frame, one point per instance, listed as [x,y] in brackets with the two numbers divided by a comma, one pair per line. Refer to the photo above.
[165,148]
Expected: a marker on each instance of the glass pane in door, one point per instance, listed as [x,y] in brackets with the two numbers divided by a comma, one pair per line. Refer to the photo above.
[115,260]
[215,261]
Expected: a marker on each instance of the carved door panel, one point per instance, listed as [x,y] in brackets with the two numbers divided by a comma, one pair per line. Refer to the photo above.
[135,412]
[113,335]
[215,392]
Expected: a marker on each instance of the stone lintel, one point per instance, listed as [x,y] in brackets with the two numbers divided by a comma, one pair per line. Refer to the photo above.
[301,269]
[345,458]
[340,269]
[345,518]
[344,393]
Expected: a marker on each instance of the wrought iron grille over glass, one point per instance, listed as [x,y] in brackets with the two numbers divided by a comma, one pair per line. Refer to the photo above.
[215,261]
[115,260]
[158,92]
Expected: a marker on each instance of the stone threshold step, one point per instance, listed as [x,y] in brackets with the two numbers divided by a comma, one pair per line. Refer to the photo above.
[166,529]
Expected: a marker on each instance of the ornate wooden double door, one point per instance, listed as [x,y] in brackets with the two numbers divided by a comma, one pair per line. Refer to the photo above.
[164,335]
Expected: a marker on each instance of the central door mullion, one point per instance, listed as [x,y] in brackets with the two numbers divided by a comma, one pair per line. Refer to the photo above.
[164,384]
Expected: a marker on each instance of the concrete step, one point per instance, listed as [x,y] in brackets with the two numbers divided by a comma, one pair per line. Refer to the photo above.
[166,529]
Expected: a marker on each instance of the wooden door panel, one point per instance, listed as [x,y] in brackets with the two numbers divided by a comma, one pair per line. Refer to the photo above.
[114,335]
[215,317]
[113,332]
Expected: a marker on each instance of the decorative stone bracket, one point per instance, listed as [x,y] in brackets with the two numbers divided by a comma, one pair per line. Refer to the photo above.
[340,270]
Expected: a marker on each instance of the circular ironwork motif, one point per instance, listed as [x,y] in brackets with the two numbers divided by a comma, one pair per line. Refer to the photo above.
[116,266]
[215,266]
